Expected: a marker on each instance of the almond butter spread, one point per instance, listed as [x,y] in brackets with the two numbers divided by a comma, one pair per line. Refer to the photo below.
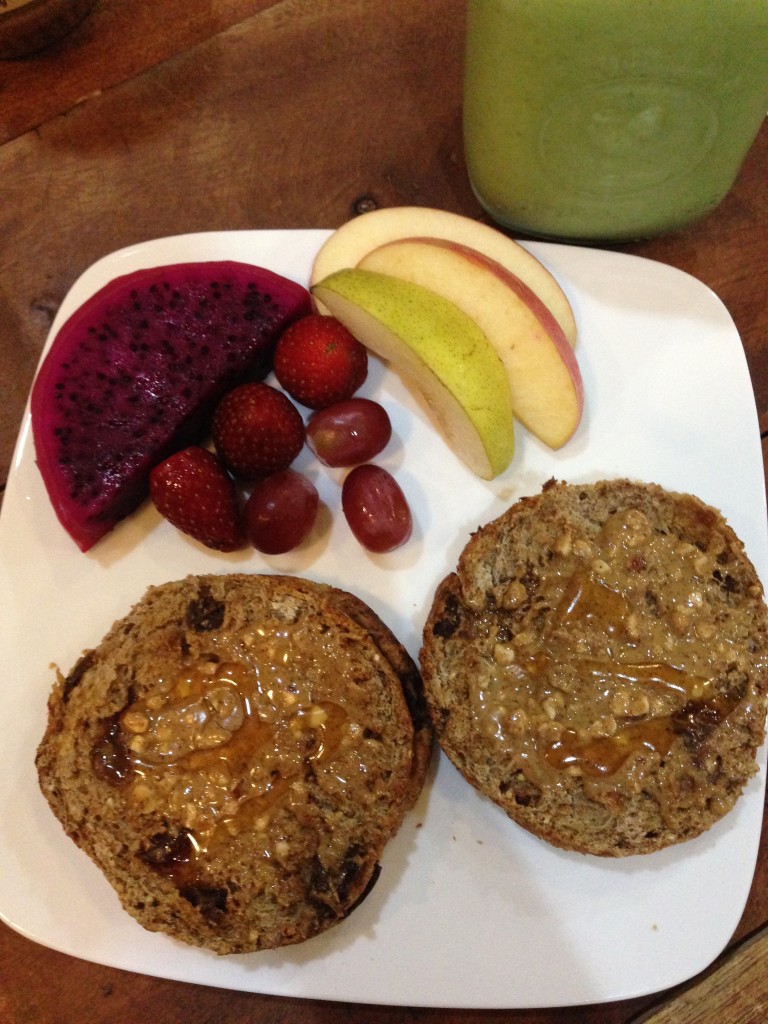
[228,739]
[604,669]
[597,665]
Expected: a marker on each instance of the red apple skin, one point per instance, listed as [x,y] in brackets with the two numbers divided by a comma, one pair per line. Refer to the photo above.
[357,237]
[529,297]
[544,375]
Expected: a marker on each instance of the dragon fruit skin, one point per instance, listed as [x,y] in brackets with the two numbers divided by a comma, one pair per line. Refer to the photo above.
[134,373]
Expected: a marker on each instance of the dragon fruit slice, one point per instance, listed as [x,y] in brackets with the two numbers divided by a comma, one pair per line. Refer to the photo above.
[133,375]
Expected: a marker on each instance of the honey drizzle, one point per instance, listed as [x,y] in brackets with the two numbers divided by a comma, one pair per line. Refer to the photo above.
[658,673]
[603,755]
[588,631]
[588,598]
[232,779]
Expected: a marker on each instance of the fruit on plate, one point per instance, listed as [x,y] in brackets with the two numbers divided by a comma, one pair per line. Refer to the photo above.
[133,375]
[281,511]
[544,377]
[357,237]
[256,430]
[318,362]
[376,509]
[350,432]
[193,491]
[441,350]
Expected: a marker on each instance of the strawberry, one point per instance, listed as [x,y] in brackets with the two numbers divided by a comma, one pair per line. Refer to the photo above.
[319,362]
[193,491]
[257,430]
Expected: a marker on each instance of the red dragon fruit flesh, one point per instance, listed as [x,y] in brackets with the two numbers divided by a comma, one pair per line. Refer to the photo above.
[133,375]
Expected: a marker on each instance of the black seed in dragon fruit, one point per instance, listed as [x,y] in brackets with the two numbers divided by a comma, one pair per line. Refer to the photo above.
[134,373]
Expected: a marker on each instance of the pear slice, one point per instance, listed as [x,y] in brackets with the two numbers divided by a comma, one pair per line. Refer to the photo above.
[441,350]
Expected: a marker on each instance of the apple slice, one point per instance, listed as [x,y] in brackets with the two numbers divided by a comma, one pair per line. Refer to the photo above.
[353,240]
[544,378]
[441,350]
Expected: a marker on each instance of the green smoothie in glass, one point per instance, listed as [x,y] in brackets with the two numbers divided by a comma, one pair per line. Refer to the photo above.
[610,119]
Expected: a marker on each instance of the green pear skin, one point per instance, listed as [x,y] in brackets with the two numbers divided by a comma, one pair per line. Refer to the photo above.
[441,350]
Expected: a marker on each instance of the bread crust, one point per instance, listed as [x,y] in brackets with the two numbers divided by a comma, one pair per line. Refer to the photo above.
[597,665]
[325,746]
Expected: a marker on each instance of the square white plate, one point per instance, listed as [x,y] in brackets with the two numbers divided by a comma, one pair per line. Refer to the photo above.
[470,910]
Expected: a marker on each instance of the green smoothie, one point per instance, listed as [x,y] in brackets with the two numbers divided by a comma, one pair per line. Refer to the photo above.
[610,119]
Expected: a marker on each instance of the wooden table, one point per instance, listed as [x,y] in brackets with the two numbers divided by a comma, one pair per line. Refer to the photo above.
[157,119]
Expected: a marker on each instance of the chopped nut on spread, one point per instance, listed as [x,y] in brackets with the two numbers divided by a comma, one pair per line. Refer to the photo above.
[514,595]
[582,549]
[626,703]
[604,726]
[504,654]
[705,630]
[636,528]
[135,721]
[551,731]
[680,619]
[282,849]
[553,704]
[563,544]
[317,716]
[633,626]
[517,722]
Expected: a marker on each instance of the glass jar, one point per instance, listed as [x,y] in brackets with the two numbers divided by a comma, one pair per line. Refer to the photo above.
[610,119]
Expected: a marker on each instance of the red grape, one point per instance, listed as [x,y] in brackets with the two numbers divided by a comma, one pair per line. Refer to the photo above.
[281,511]
[376,508]
[349,432]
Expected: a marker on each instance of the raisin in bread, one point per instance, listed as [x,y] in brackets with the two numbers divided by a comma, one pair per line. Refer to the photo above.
[597,666]
[235,755]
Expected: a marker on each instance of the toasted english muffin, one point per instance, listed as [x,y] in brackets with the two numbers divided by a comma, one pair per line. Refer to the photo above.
[234,756]
[598,666]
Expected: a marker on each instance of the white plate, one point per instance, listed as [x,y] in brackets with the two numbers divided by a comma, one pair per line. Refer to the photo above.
[470,910]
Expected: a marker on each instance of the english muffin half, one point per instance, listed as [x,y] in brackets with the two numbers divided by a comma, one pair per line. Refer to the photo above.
[598,666]
[235,755]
